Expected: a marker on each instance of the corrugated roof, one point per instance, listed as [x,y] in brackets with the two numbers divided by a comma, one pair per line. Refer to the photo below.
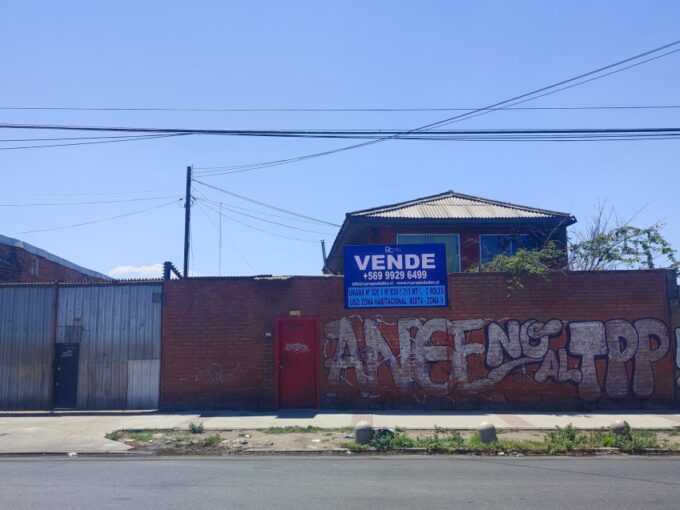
[452,205]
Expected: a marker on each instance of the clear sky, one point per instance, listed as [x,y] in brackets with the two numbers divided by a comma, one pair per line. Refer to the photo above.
[304,54]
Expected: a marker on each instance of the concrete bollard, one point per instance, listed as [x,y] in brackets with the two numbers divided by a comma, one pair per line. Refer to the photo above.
[487,432]
[617,427]
[363,432]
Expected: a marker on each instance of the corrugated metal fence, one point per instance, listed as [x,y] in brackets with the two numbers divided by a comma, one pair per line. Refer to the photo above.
[25,347]
[118,332]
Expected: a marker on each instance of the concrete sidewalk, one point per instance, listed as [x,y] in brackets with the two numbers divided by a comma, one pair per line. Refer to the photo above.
[43,432]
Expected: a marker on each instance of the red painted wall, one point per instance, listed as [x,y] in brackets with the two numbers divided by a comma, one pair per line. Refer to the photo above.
[18,265]
[619,348]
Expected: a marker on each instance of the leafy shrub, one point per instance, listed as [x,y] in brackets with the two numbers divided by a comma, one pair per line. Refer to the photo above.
[634,441]
[196,428]
[210,441]
[562,440]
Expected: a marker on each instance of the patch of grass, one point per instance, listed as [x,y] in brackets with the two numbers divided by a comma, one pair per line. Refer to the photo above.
[211,441]
[355,447]
[137,435]
[292,429]
[556,442]
[675,431]
[196,428]
[630,441]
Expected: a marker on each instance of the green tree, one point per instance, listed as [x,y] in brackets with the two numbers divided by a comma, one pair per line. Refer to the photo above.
[605,244]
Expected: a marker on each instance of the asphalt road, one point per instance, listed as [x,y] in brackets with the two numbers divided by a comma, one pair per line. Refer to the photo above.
[430,483]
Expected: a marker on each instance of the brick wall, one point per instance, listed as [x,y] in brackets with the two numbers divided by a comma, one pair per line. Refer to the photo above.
[578,340]
[18,265]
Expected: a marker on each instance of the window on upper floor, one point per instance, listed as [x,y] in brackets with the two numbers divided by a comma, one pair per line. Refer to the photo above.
[491,245]
[451,241]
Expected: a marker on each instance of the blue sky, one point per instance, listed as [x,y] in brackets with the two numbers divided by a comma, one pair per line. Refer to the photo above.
[350,54]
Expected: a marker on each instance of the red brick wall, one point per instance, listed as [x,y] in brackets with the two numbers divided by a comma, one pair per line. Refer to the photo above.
[18,265]
[217,351]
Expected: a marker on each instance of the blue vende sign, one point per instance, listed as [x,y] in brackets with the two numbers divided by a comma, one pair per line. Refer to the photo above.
[395,276]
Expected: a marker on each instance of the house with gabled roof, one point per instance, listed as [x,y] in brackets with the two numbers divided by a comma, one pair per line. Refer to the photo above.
[474,229]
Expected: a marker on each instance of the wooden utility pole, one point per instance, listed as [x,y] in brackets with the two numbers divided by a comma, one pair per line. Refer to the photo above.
[187,222]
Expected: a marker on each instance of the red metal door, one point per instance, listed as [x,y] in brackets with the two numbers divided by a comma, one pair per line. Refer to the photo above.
[297,362]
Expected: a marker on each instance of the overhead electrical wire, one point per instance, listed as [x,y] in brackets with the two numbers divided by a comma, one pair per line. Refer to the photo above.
[264,220]
[333,110]
[65,138]
[264,204]
[122,139]
[560,89]
[271,221]
[486,109]
[94,202]
[137,192]
[383,134]
[257,211]
[202,208]
[258,228]
[101,220]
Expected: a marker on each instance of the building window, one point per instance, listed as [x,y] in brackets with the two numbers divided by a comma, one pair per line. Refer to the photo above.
[503,244]
[452,242]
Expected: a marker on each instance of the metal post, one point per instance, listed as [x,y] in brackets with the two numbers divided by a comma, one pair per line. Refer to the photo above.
[323,251]
[187,221]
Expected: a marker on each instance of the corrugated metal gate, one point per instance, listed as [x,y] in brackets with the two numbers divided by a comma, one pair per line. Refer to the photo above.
[118,332]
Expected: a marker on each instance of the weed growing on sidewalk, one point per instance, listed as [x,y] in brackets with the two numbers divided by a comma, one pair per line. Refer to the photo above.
[196,428]
[555,442]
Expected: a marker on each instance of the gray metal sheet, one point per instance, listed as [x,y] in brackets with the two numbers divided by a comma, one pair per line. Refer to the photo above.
[119,323]
[452,205]
[25,347]
[143,383]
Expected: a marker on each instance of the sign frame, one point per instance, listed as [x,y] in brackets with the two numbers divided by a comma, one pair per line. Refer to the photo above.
[395,276]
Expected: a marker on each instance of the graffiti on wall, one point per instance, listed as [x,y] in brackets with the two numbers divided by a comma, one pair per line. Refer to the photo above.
[461,359]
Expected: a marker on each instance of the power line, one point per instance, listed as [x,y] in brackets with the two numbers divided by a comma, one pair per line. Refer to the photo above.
[488,108]
[56,139]
[256,211]
[258,228]
[269,206]
[129,139]
[140,211]
[332,110]
[384,134]
[541,92]
[582,82]
[223,236]
[275,222]
[137,192]
[98,202]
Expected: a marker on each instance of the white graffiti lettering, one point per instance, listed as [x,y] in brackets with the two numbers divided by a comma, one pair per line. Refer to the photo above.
[613,359]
